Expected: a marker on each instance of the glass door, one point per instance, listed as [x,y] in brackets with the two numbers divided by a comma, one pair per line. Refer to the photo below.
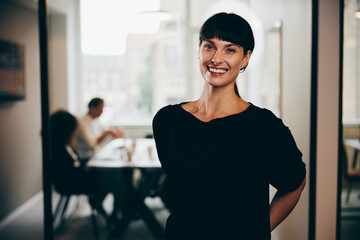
[350,195]
[139,62]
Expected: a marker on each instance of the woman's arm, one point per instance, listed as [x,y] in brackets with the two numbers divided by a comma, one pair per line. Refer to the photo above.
[282,204]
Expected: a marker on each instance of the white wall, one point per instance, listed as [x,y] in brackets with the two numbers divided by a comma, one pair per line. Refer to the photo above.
[296,16]
[65,56]
[20,121]
[58,70]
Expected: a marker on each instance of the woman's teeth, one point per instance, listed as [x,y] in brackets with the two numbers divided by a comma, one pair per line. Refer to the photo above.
[215,70]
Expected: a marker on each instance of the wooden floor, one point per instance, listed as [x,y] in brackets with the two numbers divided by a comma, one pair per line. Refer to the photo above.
[350,215]
[78,223]
[29,225]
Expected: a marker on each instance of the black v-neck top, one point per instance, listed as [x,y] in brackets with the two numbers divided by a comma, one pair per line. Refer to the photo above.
[219,171]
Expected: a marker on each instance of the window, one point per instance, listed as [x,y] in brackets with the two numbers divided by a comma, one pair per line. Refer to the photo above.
[138,64]
[134,67]
[351,97]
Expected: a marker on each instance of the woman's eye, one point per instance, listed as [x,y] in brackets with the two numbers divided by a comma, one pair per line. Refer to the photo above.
[208,47]
[230,50]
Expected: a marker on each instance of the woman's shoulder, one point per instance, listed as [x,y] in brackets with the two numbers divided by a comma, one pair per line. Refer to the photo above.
[262,112]
[168,110]
[267,124]
[164,114]
[264,116]
[165,111]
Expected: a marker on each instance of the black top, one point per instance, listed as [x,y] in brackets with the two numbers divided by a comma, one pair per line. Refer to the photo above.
[67,178]
[219,171]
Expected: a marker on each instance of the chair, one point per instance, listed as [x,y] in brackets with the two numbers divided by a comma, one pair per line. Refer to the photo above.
[136,208]
[62,206]
[151,182]
[350,175]
[74,182]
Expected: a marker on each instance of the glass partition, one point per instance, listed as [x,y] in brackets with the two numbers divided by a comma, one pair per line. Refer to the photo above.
[350,195]
[139,62]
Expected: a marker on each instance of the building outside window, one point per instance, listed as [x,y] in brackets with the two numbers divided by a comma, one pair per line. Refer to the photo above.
[140,67]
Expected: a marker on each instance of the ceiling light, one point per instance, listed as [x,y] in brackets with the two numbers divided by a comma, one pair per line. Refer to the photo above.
[160,15]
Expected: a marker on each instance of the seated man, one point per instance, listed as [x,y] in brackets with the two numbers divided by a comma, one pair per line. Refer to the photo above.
[92,135]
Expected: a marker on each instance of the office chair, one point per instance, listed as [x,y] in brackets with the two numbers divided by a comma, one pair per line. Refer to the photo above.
[62,206]
[350,175]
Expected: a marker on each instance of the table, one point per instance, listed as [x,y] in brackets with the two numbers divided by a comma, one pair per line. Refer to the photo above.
[128,156]
[114,154]
[354,143]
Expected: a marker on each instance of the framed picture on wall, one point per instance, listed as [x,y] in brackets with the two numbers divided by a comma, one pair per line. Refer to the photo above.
[12,72]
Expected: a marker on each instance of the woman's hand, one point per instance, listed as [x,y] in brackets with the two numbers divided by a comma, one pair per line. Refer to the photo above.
[282,204]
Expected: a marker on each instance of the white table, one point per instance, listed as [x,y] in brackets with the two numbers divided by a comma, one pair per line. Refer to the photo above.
[114,154]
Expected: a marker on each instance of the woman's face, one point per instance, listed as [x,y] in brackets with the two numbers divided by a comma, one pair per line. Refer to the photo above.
[221,61]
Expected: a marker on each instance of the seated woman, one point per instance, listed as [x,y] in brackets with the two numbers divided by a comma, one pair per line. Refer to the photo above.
[70,175]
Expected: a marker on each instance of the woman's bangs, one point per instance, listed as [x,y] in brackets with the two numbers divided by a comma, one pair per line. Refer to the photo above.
[223,33]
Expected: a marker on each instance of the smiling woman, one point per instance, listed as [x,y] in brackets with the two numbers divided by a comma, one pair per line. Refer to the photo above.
[218,180]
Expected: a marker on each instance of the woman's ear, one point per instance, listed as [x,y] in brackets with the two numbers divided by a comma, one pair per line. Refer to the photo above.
[246,59]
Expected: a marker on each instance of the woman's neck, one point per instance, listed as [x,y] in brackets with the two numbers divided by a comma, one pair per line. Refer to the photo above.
[216,102]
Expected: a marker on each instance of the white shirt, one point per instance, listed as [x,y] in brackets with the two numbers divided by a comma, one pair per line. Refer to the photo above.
[89,131]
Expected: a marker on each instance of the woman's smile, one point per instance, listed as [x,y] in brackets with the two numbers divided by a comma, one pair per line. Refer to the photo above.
[217,70]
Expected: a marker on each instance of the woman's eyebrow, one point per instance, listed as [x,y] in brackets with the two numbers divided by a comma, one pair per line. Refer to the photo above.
[206,40]
[233,45]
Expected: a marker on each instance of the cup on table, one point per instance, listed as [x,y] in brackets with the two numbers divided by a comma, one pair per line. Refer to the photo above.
[150,149]
[133,144]
[129,154]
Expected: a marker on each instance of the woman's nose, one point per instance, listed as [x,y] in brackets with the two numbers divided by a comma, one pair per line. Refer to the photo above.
[217,58]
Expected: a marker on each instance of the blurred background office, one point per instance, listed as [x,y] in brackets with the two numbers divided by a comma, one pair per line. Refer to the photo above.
[140,55]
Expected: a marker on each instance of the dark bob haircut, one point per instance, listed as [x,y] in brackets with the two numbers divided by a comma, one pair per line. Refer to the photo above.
[228,27]
[62,125]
